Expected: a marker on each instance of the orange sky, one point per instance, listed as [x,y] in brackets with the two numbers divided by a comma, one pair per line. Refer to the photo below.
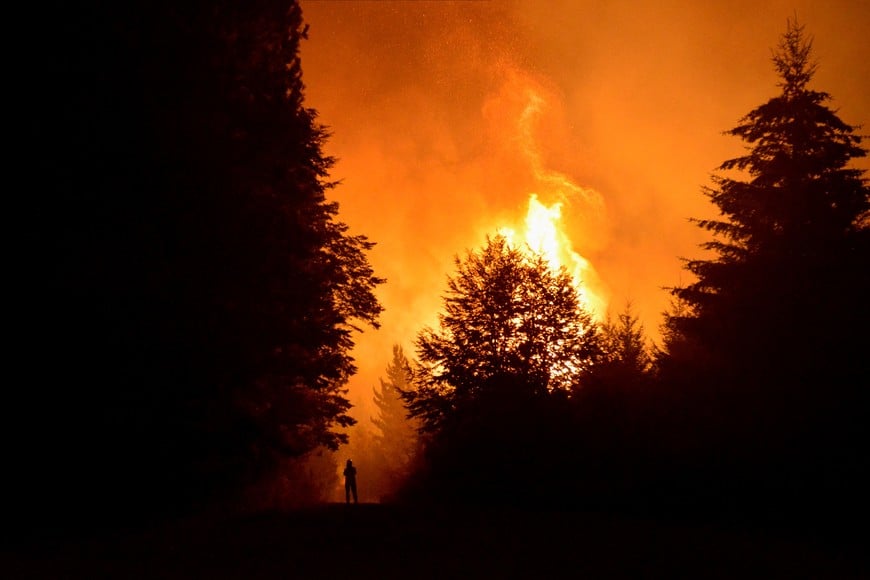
[426,103]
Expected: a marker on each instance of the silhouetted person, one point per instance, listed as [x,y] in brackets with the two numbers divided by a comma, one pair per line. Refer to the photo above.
[349,481]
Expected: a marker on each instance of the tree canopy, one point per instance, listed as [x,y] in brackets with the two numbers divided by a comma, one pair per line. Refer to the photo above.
[791,246]
[396,437]
[762,349]
[625,343]
[299,284]
[201,286]
[508,319]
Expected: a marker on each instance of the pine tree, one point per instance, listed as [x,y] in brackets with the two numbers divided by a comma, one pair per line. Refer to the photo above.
[761,350]
[625,343]
[305,283]
[616,394]
[791,247]
[396,435]
[186,226]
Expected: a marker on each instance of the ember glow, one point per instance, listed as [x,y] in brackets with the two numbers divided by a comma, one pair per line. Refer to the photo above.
[587,128]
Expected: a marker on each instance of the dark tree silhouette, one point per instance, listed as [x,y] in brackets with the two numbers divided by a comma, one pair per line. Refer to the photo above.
[396,436]
[297,281]
[492,382]
[203,292]
[609,398]
[625,344]
[763,336]
[793,233]
[610,411]
[508,317]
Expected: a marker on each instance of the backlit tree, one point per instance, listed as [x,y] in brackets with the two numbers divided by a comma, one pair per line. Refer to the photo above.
[767,344]
[202,285]
[510,324]
[396,437]
[789,272]
[625,343]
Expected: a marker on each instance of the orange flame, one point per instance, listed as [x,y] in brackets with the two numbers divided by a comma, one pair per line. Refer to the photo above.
[543,231]
[543,235]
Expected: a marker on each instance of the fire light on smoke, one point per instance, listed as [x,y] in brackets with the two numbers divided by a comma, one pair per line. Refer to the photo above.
[467,117]
[543,234]
[542,229]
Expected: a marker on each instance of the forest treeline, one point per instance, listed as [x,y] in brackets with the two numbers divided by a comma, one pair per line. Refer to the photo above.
[188,293]
[754,402]
[185,299]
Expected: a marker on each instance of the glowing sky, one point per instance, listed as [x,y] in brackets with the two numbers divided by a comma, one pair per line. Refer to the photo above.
[426,104]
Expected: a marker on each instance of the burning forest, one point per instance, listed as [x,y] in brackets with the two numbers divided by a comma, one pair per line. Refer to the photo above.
[439,262]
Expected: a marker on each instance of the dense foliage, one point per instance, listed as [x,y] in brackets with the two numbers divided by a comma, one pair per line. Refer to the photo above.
[508,318]
[755,400]
[491,383]
[396,437]
[186,300]
[763,342]
[195,285]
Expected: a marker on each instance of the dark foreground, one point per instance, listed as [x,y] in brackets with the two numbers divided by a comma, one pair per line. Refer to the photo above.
[381,541]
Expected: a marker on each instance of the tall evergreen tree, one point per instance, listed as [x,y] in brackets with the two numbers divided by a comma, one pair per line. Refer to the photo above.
[295,284]
[280,285]
[625,343]
[396,436]
[791,247]
[763,339]
[184,224]
[397,433]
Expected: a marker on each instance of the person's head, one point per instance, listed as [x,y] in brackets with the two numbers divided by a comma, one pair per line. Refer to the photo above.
[349,462]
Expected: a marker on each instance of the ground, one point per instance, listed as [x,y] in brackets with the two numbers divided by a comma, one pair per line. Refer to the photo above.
[384,541]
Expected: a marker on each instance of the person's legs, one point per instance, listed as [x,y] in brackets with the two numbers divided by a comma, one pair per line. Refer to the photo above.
[353,489]
[347,493]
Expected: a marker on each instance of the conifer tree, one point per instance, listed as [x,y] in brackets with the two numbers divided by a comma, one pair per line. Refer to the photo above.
[625,343]
[761,360]
[186,226]
[790,250]
[396,435]
[295,283]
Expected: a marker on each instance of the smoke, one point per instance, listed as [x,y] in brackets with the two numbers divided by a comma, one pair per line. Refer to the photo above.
[446,116]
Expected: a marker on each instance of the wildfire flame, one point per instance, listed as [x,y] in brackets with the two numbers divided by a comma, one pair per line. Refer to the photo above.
[542,230]
[543,234]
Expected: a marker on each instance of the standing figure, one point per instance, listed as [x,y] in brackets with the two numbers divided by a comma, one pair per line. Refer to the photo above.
[349,481]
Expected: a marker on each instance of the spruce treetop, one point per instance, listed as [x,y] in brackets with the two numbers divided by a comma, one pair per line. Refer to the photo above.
[800,191]
[791,240]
